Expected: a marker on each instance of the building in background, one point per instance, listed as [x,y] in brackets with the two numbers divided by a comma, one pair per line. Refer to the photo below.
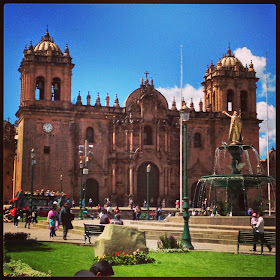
[125,139]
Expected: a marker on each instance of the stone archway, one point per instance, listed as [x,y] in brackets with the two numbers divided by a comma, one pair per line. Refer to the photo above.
[92,191]
[142,183]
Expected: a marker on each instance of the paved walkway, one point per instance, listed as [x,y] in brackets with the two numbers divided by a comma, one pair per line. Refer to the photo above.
[43,235]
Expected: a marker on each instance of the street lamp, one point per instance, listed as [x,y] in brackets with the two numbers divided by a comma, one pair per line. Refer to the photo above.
[148,173]
[186,237]
[61,184]
[33,162]
[81,192]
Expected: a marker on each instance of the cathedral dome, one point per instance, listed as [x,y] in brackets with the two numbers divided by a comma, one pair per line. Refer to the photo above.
[229,60]
[47,44]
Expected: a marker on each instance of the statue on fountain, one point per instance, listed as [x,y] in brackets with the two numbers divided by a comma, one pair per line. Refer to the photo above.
[235,131]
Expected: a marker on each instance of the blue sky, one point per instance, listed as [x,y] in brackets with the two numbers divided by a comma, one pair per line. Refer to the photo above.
[112,45]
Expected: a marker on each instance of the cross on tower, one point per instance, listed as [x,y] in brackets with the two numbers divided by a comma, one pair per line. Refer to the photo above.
[146,73]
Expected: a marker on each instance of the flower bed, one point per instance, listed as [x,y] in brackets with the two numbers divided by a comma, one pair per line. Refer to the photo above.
[138,257]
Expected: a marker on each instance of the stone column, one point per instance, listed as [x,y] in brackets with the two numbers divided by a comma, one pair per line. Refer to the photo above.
[126,140]
[114,138]
[113,178]
[131,141]
[131,179]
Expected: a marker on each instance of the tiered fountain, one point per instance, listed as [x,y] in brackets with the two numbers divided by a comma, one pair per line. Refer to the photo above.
[242,176]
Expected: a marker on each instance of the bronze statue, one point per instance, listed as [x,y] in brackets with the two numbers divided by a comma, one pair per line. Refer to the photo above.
[235,131]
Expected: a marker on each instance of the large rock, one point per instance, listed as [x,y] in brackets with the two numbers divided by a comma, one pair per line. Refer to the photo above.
[117,238]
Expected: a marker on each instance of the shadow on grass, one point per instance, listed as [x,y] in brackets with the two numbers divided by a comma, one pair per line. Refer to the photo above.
[25,245]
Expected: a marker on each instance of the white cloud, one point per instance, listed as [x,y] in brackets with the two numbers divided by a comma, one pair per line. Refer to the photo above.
[188,92]
[245,56]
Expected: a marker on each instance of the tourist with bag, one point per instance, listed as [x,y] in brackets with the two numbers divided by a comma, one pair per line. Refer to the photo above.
[65,218]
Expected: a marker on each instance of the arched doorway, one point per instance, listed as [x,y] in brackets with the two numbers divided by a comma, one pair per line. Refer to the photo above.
[92,191]
[142,183]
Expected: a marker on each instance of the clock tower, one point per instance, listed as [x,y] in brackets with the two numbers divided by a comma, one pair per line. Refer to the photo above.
[45,101]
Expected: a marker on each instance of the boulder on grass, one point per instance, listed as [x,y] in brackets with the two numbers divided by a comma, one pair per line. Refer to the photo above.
[117,238]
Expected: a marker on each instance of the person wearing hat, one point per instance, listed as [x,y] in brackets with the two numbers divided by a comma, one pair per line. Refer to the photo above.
[98,269]
[65,219]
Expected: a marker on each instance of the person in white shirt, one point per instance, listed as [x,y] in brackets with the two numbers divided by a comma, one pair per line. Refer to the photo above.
[259,232]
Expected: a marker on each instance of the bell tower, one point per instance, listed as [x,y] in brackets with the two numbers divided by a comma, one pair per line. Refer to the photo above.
[46,75]
[229,86]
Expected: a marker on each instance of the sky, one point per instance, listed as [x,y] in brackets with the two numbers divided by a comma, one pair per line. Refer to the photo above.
[113,45]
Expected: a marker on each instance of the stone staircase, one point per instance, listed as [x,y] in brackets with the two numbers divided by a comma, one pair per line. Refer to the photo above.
[200,232]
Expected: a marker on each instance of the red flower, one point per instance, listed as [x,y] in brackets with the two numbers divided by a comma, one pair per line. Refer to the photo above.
[116,253]
[123,253]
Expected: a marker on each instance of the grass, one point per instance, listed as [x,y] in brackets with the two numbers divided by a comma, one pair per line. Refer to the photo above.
[66,259]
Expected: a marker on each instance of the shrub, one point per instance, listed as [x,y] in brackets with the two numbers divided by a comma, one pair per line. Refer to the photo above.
[20,269]
[16,236]
[169,242]
[138,257]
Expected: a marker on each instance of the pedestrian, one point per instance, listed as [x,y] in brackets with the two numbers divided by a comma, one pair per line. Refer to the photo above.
[52,226]
[131,203]
[90,202]
[163,203]
[34,216]
[16,217]
[259,232]
[99,208]
[117,220]
[105,201]
[109,211]
[27,217]
[65,219]
[73,203]
[54,212]
[159,214]
[254,220]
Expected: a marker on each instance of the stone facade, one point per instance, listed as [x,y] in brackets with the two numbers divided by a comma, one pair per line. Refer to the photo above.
[125,139]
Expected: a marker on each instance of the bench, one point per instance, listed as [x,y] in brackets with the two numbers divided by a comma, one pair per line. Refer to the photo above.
[247,237]
[93,229]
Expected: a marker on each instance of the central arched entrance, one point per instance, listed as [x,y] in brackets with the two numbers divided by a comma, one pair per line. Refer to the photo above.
[142,183]
[92,191]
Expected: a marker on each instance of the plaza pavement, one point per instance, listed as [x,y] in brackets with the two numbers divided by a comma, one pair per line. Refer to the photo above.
[42,234]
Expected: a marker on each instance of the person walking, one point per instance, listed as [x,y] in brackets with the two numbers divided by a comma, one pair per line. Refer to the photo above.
[16,217]
[54,212]
[34,216]
[65,218]
[52,226]
[27,217]
[259,232]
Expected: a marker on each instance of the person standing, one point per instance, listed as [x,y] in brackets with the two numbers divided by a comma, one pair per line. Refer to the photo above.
[65,219]
[34,216]
[259,232]
[137,212]
[53,212]
[90,202]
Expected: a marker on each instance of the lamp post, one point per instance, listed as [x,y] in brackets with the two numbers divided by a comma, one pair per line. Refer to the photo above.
[61,184]
[81,191]
[148,173]
[186,237]
[33,162]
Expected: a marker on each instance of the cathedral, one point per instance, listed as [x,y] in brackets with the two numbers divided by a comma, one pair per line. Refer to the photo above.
[122,140]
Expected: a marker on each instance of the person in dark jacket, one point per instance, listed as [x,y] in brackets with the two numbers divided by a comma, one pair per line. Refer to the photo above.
[104,218]
[65,218]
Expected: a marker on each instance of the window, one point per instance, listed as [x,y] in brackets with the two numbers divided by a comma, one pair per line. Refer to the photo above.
[40,88]
[148,135]
[46,149]
[56,89]
[243,101]
[89,134]
[230,100]
[197,140]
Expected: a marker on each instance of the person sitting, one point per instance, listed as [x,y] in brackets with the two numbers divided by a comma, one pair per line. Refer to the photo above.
[104,218]
[117,220]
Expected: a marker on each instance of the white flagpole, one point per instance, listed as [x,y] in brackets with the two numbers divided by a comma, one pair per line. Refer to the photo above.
[181,139]
[267,143]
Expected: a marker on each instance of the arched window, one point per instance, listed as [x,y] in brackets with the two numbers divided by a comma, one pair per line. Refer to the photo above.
[197,140]
[243,101]
[40,88]
[230,100]
[148,135]
[89,134]
[56,89]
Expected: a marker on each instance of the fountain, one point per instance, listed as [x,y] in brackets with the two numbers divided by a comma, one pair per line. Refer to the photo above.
[236,176]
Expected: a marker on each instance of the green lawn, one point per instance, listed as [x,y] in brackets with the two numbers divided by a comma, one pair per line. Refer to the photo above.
[66,259]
